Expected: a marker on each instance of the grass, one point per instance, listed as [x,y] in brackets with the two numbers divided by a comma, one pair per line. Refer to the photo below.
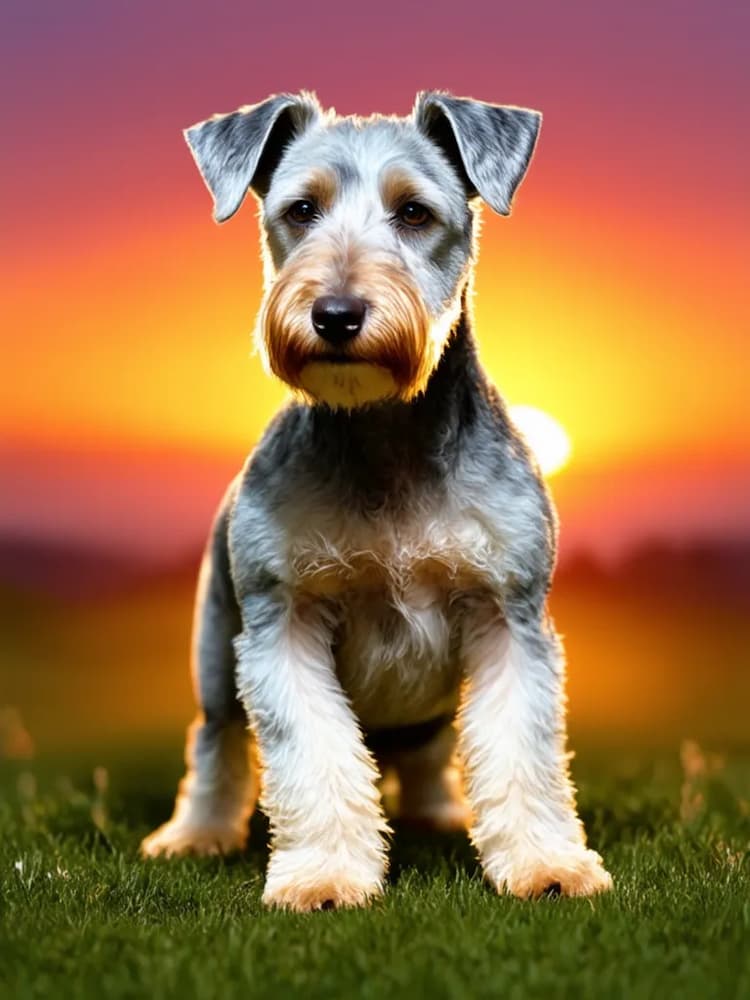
[83,917]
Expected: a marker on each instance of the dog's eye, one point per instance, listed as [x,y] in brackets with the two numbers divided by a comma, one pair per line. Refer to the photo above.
[414,215]
[302,212]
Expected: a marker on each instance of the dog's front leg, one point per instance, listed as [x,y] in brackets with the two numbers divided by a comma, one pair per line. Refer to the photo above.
[318,778]
[512,740]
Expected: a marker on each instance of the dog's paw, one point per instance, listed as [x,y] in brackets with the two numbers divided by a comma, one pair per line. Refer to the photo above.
[177,839]
[301,882]
[579,873]
[326,892]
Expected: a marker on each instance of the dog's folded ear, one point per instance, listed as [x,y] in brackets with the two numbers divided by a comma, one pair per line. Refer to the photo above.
[240,150]
[489,144]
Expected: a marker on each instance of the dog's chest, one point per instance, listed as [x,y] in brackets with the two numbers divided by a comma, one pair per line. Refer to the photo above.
[398,590]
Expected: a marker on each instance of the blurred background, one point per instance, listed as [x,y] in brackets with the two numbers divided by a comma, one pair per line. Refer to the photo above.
[612,307]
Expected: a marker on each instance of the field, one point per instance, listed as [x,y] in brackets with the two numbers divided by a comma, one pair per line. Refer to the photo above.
[83,917]
[90,755]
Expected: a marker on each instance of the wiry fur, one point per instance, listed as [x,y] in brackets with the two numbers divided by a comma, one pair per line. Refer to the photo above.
[381,565]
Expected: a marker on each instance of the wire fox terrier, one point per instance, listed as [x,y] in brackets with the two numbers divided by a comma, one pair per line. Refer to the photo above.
[373,596]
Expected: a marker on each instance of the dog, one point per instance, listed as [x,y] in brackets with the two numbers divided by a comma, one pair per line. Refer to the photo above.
[373,597]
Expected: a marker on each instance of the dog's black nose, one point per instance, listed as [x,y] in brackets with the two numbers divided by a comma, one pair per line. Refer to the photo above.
[337,318]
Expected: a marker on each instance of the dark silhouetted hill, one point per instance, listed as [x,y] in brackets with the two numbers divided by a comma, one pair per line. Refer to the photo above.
[76,573]
[694,571]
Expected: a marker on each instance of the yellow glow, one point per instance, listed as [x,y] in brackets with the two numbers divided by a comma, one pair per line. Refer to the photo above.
[546,437]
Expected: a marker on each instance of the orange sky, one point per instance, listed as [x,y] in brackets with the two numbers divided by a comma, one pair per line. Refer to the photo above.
[150,340]
[615,297]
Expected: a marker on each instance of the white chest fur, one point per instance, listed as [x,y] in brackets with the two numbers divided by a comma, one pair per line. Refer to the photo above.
[399,589]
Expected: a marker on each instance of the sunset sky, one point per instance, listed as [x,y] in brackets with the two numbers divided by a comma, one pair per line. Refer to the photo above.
[615,298]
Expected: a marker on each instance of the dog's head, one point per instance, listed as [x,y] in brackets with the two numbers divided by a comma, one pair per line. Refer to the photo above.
[368,229]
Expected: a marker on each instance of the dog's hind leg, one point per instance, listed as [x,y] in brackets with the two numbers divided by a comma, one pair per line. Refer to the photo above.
[430,793]
[218,792]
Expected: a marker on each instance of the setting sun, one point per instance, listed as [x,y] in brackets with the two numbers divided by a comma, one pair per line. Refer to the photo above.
[544,435]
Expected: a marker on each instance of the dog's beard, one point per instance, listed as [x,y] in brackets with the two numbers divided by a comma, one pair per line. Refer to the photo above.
[391,358]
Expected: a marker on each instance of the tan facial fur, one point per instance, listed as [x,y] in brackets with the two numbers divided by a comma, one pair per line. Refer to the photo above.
[391,357]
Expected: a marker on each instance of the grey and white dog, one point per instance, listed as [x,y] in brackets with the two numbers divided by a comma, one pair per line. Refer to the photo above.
[373,597]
